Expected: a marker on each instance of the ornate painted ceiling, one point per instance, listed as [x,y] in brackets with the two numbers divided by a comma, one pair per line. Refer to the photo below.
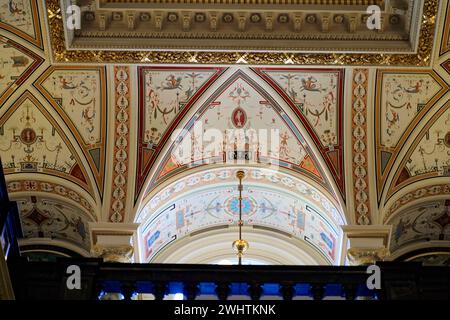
[94,135]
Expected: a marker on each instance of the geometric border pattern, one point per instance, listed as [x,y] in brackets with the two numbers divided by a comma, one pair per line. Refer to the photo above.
[121,144]
[360,146]
[446,65]
[48,187]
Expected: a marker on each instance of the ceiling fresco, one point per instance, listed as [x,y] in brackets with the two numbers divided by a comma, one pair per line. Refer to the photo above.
[94,136]
[241,107]
[49,218]
[274,179]
[21,17]
[166,94]
[31,141]
[406,98]
[317,98]
[79,96]
[210,199]
[17,64]
[430,221]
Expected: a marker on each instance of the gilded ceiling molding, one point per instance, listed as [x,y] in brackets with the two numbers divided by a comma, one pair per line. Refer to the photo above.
[61,54]
[419,193]
[22,19]
[31,185]
[403,176]
[360,167]
[403,98]
[105,3]
[121,144]
[78,94]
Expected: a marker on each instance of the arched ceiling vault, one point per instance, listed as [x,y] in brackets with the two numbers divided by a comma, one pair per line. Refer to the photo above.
[271,200]
[263,112]
[85,135]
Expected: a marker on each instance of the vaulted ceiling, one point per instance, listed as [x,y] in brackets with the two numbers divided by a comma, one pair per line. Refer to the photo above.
[87,136]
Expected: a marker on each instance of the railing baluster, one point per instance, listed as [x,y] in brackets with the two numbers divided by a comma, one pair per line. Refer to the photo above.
[191,290]
[159,290]
[287,291]
[119,281]
[128,289]
[255,291]
[223,290]
[350,291]
[317,291]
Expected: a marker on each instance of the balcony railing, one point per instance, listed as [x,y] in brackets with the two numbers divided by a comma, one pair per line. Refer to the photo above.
[48,280]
